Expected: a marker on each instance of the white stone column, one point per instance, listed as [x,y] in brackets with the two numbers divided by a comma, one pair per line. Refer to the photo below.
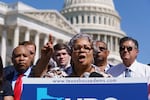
[98,37]
[79,19]
[111,43]
[116,45]
[54,41]
[107,22]
[16,37]
[3,45]
[27,35]
[102,19]
[74,19]
[105,38]
[46,39]
[85,19]
[97,19]
[37,39]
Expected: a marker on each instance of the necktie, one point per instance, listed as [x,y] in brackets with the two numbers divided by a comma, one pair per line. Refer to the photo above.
[127,73]
[18,88]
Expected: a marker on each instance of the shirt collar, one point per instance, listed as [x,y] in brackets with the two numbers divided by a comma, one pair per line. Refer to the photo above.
[27,73]
[132,67]
[107,67]
[63,68]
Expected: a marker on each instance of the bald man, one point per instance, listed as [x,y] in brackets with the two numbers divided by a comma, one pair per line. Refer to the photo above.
[21,64]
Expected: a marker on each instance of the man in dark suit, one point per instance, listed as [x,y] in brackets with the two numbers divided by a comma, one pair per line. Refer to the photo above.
[10,72]
[21,64]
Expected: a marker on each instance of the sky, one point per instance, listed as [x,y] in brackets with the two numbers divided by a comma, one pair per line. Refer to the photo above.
[135,20]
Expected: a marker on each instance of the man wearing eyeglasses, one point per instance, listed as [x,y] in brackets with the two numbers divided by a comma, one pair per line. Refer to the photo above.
[129,67]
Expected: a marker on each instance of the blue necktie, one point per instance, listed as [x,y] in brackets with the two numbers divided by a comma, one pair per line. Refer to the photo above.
[127,73]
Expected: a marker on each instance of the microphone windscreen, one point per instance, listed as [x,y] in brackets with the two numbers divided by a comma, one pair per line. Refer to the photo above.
[86,74]
[95,74]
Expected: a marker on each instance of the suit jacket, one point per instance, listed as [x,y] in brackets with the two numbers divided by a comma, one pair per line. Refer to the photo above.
[11,74]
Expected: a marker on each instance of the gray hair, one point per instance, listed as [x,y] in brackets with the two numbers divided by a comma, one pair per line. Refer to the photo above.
[77,36]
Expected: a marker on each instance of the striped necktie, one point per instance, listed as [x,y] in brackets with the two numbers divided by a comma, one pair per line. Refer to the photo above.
[18,88]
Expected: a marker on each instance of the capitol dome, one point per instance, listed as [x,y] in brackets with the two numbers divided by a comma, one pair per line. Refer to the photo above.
[99,19]
[96,3]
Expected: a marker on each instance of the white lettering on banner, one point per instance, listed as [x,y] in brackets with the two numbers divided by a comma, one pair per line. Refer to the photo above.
[83,80]
[42,94]
[110,98]
[86,99]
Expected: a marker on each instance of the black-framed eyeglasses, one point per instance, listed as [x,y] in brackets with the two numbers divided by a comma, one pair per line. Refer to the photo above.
[84,47]
[129,48]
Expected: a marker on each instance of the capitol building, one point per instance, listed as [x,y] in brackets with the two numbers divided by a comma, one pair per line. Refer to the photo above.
[21,22]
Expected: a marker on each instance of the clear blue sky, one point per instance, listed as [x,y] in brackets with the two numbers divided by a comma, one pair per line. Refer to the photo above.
[135,19]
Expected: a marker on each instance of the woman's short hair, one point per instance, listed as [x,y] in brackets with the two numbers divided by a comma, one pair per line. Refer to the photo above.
[77,36]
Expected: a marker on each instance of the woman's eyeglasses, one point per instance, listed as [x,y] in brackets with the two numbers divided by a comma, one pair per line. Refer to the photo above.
[84,47]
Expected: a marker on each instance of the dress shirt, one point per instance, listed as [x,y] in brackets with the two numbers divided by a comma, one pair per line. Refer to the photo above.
[67,69]
[137,70]
[105,70]
[104,74]
[108,67]
[26,74]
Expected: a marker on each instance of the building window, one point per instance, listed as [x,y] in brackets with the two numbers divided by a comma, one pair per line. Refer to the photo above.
[94,19]
[95,36]
[71,20]
[102,37]
[105,21]
[99,20]
[88,19]
[77,20]
[109,22]
[82,19]
[9,42]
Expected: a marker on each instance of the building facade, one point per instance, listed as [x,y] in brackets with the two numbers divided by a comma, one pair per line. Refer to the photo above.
[19,22]
[98,18]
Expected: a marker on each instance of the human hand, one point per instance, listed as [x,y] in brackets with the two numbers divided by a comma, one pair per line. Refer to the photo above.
[47,50]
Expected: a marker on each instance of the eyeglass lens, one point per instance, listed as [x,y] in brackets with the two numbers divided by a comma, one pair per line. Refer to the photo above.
[128,48]
[85,47]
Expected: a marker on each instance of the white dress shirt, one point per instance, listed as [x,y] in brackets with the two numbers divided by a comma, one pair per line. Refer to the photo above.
[137,70]
[26,74]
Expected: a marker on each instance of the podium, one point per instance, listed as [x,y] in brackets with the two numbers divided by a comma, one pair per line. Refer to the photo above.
[85,89]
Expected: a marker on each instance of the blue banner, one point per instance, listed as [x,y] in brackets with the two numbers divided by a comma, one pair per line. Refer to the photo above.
[101,89]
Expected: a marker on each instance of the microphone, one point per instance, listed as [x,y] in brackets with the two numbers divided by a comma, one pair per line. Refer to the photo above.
[86,74]
[95,74]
